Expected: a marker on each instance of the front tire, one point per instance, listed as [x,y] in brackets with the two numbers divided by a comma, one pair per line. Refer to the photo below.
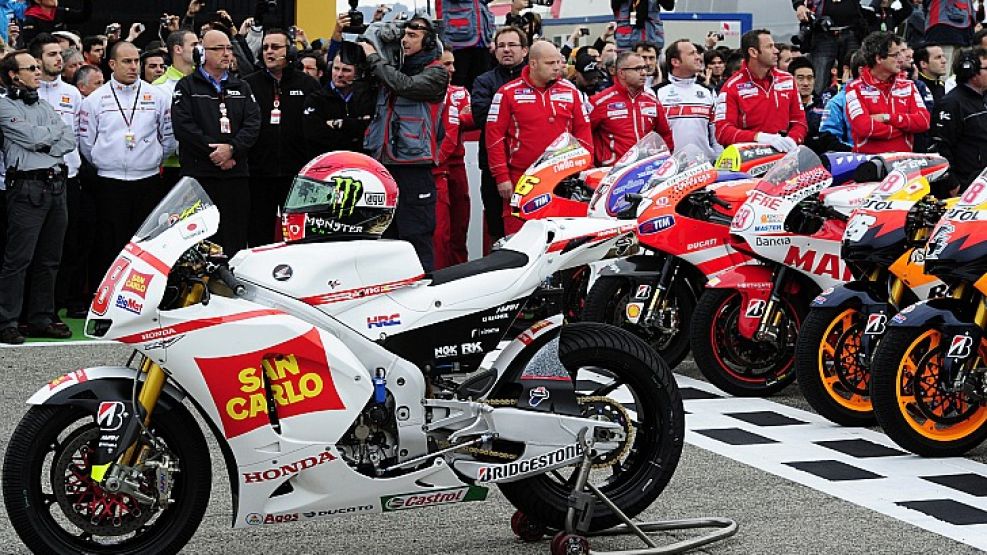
[606,361]
[607,302]
[741,367]
[828,367]
[49,495]
[909,402]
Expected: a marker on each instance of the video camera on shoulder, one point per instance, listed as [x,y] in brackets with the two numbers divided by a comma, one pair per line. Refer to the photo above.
[532,3]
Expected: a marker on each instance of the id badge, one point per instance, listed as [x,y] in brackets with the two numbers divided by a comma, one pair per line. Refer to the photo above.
[276,116]
[224,125]
[130,139]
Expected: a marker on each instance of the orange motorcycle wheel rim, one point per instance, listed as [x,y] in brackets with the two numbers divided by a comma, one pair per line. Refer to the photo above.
[840,372]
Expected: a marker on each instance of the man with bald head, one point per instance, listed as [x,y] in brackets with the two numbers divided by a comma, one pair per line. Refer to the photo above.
[526,116]
[216,121]
[125,133]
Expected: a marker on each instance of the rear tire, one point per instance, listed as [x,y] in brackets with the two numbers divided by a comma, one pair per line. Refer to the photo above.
[589,350]
[830,375]
[738,366]
[607,301]
[911,406]
[39,496]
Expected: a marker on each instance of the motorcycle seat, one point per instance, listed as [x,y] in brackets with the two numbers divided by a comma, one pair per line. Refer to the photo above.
[500,259]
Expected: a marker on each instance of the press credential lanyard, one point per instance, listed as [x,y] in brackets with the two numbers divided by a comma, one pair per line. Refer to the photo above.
[129,137]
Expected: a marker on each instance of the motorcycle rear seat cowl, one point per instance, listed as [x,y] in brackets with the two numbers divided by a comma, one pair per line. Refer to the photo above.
[501,259]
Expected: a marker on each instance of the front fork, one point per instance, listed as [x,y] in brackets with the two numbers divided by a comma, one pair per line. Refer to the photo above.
[658,314]
[770,328]
[962,348]
[875,316]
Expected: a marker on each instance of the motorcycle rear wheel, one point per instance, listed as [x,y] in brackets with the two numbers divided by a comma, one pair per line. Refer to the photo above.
[909,402]
[741,367]
[38,497]
[607,302]
[607,361]
[830,375]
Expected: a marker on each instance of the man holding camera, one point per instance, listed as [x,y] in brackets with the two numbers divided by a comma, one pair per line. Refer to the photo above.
[410,101]
[35,142]
[280,150]
[832,28]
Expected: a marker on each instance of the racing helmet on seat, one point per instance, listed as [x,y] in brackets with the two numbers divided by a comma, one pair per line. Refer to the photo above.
[339,195]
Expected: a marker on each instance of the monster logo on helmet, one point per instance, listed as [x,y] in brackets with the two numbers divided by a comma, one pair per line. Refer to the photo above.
[348,192]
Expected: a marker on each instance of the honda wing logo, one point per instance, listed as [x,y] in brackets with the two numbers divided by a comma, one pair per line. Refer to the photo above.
[347,193]
[960,346]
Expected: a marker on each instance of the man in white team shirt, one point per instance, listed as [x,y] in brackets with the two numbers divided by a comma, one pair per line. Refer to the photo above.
[125,133]
[689,106]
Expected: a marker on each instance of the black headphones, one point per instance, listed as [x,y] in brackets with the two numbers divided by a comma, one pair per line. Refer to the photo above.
[967,66]
[429,41]
[22,94]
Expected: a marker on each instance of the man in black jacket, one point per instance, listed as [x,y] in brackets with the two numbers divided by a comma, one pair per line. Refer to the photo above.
[837,26]
[280,150]
[511,52]
[337,115]
[404,133]
[959,121]
[216,120]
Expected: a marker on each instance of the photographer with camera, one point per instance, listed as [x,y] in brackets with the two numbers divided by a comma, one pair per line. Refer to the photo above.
[828,32]
[529,22]
[410,100]
[468,28]
[46,16]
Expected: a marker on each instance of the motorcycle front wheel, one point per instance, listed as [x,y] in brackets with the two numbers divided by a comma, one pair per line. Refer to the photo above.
[56,507]
[912,405]
[617,377]
[741,367]
[607,302]
[830,373]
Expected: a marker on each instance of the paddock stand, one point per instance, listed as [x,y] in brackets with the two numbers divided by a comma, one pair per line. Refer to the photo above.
[573,540]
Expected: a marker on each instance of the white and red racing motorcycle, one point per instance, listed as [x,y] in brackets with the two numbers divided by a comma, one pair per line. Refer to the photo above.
[338,379]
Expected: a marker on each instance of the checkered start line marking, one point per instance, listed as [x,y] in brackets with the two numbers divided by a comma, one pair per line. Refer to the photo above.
[864,467]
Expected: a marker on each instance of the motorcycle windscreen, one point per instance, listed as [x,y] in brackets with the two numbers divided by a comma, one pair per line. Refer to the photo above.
[631,173]
[564,147]
[796,176]
[957,246]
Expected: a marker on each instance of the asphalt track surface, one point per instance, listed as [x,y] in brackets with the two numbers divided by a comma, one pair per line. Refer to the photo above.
[775,515]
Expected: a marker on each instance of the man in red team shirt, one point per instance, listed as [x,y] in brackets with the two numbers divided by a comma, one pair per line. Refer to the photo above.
[760,103]
[625,112]
[452,189]
[526,116]
[885,111]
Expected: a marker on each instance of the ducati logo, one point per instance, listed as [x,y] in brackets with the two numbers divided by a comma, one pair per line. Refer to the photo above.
[876,324]
[755,308]
[959,347]
[110,415]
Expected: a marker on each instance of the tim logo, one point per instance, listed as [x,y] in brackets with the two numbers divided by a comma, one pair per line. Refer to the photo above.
[383,321]
[110,415]
[960,347]
[374,199]
[876,324]
[755,308]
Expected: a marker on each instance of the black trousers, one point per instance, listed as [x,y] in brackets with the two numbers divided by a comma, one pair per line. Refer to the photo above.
[232,197]
[470,63]
[267,194]
[36,222]
[414,220]
[122,207]
[76,283]
[493,205]
[827,49]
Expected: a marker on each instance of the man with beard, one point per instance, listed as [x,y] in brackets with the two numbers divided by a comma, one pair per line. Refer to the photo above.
[511,51]
[280,150]
[411,95]
[152,66]
[67,102]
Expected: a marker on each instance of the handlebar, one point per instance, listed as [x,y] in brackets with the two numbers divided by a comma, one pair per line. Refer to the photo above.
[719,202]
[227,276]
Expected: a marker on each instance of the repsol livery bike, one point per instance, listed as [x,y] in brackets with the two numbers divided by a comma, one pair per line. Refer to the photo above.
[745,324]
[928,372]
[338,380]
[884,247]
[683,222]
